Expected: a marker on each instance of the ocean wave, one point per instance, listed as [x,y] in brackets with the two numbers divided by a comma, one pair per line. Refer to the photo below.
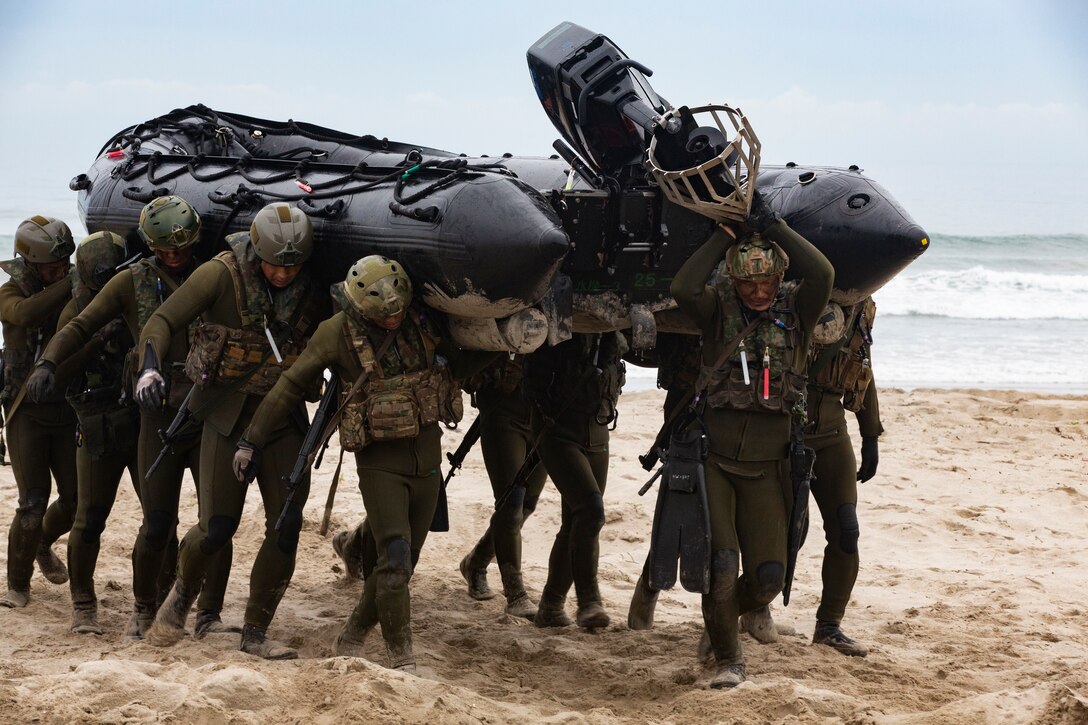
[981,293]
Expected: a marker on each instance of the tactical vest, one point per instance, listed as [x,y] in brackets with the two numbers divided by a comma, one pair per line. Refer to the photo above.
[19,359]
[408,388]
[151,290]
[777,339]
[585,374]
[850,371]
[221,355]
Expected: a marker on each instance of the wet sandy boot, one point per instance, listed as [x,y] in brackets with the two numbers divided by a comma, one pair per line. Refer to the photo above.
[832,635]
[728,676]
[760,625]
[53,569]
[476,578]
[518,603]
[142,617]
[15,598]
[350,641]
[256,642]
[169,625]
[705,650]
[591,614]
[208,621]
[552,612]
[85,621]
[399,651]
[640,616]
[353,564]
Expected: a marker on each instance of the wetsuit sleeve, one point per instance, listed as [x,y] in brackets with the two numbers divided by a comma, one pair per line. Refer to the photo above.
[809,265]
[323,351]
[689,288]
[73,332]
[205,286]
[869,424]
[32,311]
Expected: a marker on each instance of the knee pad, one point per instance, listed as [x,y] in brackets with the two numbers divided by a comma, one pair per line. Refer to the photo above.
[849,531]
[724,568]
[220,531]
[287,540]
[768,582]
[399,556]
[96,524]
[592,514]
[157,529]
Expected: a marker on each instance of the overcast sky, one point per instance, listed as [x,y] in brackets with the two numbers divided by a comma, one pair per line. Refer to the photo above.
[974,114]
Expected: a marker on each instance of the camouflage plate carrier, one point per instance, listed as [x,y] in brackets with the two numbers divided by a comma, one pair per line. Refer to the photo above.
[850,371]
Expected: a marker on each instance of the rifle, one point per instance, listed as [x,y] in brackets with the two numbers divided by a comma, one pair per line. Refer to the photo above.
[172,431]
[802,458]
[457,458]
[314,441]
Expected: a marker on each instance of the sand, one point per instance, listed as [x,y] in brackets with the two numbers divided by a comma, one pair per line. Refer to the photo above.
[972,598]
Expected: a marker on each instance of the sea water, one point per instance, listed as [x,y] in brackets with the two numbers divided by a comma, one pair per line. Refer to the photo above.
[1005,312]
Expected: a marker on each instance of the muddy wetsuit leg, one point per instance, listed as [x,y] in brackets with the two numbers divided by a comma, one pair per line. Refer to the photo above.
[748,526]
[98,482]
[399,509]
[575,454]
[41,445]
[836,492]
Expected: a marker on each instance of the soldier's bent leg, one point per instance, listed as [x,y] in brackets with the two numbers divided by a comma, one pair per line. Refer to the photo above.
[61,455]
[720,605]
[26,439]
[836,494]
[761,532]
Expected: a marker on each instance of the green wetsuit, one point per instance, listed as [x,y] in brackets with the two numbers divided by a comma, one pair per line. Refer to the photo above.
[210,294]
[398,478]
[747,467]
[40,436]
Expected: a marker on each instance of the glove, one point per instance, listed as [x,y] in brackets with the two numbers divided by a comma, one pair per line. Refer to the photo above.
[246,460]
[42,382]
[150,389]
[760,216]
[870,456]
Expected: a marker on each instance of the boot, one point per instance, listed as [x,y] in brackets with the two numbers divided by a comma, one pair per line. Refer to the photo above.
[400,654]
[478,587]
[728,676]
[760,625]
[169,625]
[349,643]
[85,621]
[591,615]
[705,650]
[551,612]
[15,598]
[208,622]
[142,617]
[352,565]
[53,569]
[831,634]
[255,642]
[518,603]
[643,602]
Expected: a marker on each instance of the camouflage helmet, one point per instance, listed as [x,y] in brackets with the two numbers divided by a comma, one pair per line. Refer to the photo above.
[43,240]
[756,258]
[378,287]
[168,224]
[282,235]
[98,257]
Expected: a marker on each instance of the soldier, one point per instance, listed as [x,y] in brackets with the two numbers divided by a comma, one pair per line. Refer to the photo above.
[756,333]
[391,354]
[107,432]
[40,435]
[506,437]
[171,228]
[574,387]
[258,308]
[840,380]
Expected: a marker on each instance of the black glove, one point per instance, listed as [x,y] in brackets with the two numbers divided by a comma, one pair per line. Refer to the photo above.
[246,460]
[870,456]
[150,389]
[760,216]
[42,382]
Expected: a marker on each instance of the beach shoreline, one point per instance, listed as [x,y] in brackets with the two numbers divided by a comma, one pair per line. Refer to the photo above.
[970,597]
